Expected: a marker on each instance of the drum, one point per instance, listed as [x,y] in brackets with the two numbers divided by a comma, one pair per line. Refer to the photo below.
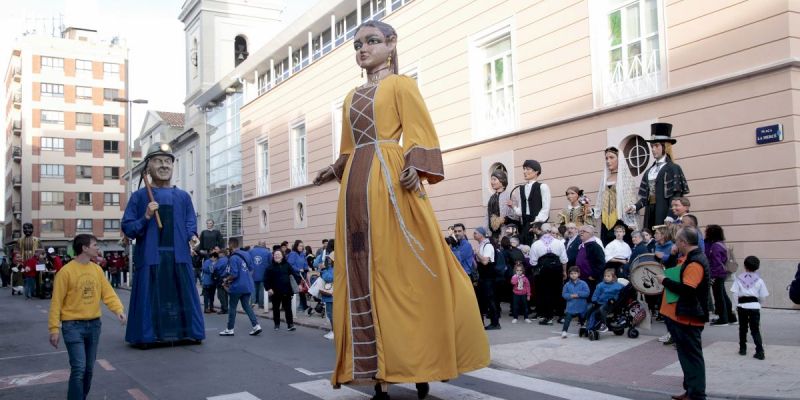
[644,272]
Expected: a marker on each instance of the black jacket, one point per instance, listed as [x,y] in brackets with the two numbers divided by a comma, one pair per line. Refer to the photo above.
[276,277]
[692,302]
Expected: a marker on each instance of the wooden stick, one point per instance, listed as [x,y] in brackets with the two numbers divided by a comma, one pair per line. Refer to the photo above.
[152,199]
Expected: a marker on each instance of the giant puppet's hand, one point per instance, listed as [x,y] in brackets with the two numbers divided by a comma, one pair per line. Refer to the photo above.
[410,179]
[325,175]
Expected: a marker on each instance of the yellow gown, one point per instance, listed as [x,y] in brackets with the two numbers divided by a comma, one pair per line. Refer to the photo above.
[404,310]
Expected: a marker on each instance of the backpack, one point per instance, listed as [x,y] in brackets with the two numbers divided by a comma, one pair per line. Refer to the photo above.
[731,265]
[548,261]
[500,264]
[794,287]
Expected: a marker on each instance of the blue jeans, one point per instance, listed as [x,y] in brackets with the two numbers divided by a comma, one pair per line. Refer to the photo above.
[81,339]
[233,300]
[568,319]
[329,311]
[30,287]
[258,297]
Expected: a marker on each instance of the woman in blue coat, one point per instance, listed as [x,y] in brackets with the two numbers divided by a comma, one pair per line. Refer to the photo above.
[297,259]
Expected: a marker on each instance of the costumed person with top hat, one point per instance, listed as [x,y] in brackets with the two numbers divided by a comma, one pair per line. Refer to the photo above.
[663,181]
[531,201]
[617,191]
[164,304]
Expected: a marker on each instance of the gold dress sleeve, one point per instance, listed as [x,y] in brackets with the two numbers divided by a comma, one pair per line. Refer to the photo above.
[346,146]
[420,142]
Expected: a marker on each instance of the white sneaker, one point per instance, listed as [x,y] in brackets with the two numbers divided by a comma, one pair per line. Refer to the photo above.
[564,334]
[256,330]
[528,321]
[226,332]
[664,338]
[514,321]
[329,335]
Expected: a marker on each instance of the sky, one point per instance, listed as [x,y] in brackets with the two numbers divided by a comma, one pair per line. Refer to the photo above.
[151,29]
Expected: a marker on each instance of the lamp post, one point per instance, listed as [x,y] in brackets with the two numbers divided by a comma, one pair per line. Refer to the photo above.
[129,163]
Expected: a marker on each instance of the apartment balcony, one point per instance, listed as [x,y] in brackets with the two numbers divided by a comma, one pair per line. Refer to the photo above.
[17,210]
[17,74]
[17,181]
[17,97]
[17,127]
[16,153]
[16,234]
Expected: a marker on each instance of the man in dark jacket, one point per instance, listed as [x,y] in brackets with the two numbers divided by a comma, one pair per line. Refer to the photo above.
[686,317]
[209,238]
[639,248]
[591,258]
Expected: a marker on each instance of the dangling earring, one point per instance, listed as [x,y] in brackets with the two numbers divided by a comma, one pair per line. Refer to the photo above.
[389,62]
[362,72]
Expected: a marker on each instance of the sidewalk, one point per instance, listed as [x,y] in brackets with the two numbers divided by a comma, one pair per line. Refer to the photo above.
[644,363]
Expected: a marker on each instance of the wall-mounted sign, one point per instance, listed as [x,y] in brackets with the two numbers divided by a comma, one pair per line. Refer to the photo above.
[769,134]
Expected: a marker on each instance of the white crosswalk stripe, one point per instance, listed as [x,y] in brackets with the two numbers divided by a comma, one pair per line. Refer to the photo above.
[540,385]
[322,388]
[234,396]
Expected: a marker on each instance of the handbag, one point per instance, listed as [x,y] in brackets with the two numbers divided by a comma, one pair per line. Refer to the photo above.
[293,283]
[731,265]
[303,286]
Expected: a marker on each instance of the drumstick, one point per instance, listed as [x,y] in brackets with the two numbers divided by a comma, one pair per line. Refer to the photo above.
[152,199]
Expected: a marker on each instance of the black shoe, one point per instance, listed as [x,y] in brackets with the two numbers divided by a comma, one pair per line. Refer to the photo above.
[759,355]
[492,327]
[423,389]
[380,394]
[742,350]
[220,312]
[291,328]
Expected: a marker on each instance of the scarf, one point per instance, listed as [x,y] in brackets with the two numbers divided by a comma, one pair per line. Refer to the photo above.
[748,279]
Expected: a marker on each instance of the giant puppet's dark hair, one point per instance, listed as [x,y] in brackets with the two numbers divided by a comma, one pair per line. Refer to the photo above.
[387,31]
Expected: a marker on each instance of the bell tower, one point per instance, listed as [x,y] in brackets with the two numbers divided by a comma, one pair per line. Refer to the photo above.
[220,34]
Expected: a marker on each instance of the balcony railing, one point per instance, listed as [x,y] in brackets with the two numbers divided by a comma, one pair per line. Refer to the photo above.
[16,208]
[16,153]
[299,176]
[17,99]
[641,76]
[17,181]
[17,127]
[262,185]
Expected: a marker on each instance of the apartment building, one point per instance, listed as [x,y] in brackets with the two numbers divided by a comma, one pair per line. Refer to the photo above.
[66,138]
[556,81]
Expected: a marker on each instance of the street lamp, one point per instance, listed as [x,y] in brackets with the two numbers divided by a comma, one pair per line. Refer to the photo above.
[129,163]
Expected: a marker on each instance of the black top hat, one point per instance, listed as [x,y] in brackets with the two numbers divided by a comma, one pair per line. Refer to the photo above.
[661,132]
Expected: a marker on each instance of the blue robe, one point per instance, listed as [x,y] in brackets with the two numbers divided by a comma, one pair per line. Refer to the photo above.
[164,304]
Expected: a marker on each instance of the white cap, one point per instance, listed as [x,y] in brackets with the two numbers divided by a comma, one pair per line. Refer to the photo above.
[51,250]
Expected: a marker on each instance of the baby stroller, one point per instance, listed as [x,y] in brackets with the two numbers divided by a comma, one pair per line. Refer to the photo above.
[16,282]
[626,313]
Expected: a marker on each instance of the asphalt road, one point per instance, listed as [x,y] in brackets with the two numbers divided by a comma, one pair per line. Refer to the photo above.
[274,365]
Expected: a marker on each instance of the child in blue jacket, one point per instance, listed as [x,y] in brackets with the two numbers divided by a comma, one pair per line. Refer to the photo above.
[575,292]
[604,293]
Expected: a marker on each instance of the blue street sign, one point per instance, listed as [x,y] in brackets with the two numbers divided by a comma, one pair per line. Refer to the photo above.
[769,134]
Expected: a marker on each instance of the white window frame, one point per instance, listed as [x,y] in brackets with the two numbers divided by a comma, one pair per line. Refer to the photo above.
[114,199]
[83,123]
[52,144]
[51,90]
[80,175]
[262,167]
[110,70]
[107,228]
[52,117]
[113,118]
[78,199]
[52,63]
[298,173]
[56,225]
[80,150]
[51,170]
[85,96]
[336,128]
[607,93]
[114,147]
[483,127]
[83,225]
[51,198]
[79,70]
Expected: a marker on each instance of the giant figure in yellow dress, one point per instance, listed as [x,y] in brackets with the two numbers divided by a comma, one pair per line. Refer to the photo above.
[404,309]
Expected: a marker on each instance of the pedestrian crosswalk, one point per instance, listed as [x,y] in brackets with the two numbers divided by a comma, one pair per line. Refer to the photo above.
[322,389]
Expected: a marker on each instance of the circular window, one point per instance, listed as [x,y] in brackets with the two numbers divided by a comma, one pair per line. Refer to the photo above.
[637,155]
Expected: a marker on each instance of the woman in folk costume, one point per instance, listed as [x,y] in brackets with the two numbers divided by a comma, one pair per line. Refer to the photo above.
[404,309]
[617,191]
[499,213]
[578,211]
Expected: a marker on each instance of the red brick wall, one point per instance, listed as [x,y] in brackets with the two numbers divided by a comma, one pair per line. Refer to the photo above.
[97,202]
[69,120]
[69,147]
[37,64]
[97,175]
[37,227]
[69,227]
[97,227]
[97,146]
[70,173]
[36,145]
[70,201]
[69,67]
[35,174]
[36,118]
[36,92]
[36,200]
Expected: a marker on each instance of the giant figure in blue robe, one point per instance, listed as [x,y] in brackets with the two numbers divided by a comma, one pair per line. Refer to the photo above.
[164,304]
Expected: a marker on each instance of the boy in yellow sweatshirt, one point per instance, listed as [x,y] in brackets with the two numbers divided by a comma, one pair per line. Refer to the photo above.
[75,306]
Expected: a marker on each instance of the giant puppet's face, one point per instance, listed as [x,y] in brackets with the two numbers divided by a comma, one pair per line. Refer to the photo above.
[27,228]
[612,161]
[373,48]
[160,168]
